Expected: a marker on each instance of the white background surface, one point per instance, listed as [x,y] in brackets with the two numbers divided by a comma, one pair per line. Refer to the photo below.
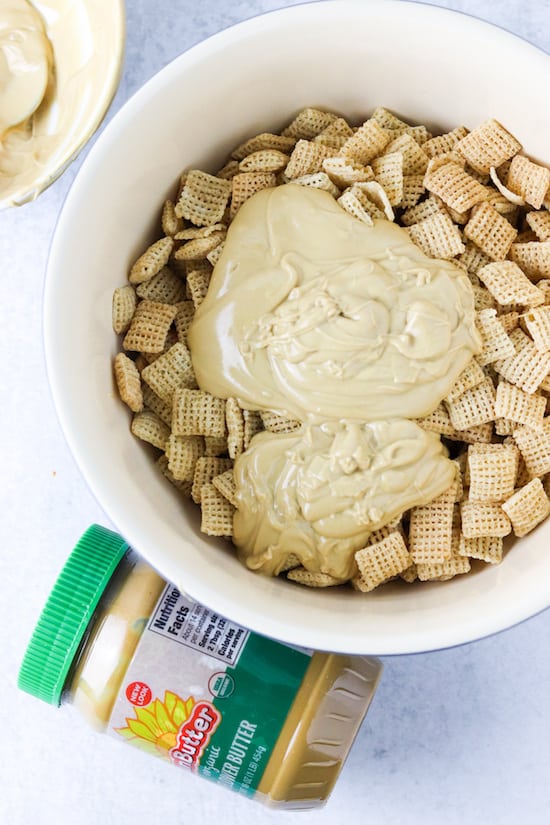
[457,737]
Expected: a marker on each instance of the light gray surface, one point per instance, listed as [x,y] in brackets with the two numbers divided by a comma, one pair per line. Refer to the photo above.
[460,737]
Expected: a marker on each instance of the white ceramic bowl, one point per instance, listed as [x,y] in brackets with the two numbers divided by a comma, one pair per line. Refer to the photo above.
[87,42]
[427,64]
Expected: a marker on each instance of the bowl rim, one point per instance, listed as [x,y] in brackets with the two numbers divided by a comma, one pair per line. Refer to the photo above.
[238,610]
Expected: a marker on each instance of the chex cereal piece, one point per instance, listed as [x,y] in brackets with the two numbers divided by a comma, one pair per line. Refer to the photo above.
[291,561]
[484,548]
[252,425]
[409,575]
[509,285]
[206,468]
[533,257]
[495,342]
[182,321]
[483,518]
[537,321]
[509,320]
[234,420]
[184,487]
[366,143]
[418,133]
[246,184]
[171,370]
[318,180]
[215,445]
[164,287]
[199,248]
[308,123]
[265,140]
[534,446]
[437,236]
[203,199]
[438,421]
[335,134]
[519,407]
[473,258]
[195,412]
[350,202]
[264,160]
[455,565]
[470,377]
[387,119]
[307,157]
[441,144]
[170,222]
[275,423]
[388,171]
[421,211]
[128,382]
[539,222]
[490,144]
[414,158]
[413,189]
[198,282]
[152,402]
[149,327]
[473,407]
[345,172]
[153,259]
[454,186]
[229,170]
[528,180]
[183,452]
[430,529]
[312,578]
[374,199]
[124,306]
[504,426]
[191,233]
[216,512]
[225,484]
[490,231]
[528,367]
[214,256]
[493,470]
[527,507]
[147,426]
[381,561]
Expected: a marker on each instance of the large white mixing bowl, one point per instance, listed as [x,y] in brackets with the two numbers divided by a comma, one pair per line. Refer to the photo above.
[430,65]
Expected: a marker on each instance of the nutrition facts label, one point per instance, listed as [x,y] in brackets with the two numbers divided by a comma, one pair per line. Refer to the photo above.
[182,620]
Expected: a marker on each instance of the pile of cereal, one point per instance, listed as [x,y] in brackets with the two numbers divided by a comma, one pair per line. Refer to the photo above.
[466,196]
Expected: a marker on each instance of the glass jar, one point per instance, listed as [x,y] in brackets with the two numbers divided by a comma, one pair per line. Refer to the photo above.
[145,663]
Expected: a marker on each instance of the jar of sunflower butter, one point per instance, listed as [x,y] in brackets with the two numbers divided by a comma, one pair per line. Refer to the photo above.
[147,665]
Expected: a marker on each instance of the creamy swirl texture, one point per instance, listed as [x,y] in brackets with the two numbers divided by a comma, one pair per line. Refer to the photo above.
[318,493]
[312,313]
[24,62]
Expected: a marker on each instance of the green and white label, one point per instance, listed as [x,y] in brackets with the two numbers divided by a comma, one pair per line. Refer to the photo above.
[207,694]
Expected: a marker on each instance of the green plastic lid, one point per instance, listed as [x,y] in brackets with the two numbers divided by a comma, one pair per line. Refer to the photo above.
[68,612]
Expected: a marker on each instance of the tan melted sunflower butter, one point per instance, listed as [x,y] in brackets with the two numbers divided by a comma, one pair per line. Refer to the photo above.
[351,330]
[25,57]
[313,313]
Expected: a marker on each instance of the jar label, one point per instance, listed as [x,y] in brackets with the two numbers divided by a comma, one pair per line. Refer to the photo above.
[206,694]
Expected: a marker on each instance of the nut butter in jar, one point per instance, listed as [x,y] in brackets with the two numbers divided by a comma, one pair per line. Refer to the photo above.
[145,664]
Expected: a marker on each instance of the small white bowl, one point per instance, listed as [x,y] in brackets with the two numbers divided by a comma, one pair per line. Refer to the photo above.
[427,64]
[87,42]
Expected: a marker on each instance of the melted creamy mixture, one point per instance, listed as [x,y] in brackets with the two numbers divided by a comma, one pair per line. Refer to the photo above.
[24,62]
[57,100]
[312,313]
[350,329]
[319,493]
